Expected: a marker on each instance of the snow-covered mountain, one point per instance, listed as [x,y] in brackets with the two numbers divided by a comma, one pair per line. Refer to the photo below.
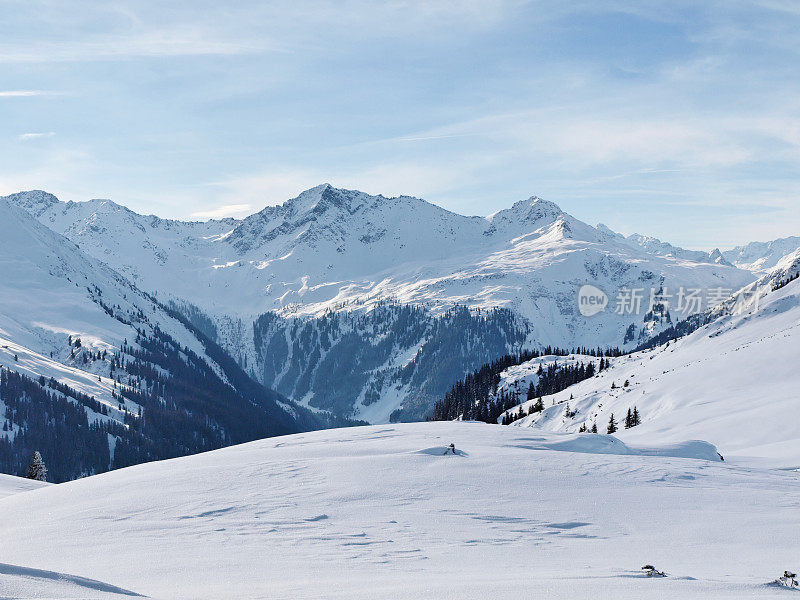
[762,256]
[295,291]
[659,248]
[386,512]
[733,381]
[92,364]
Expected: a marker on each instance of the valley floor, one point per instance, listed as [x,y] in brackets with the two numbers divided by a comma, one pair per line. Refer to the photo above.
[382,512]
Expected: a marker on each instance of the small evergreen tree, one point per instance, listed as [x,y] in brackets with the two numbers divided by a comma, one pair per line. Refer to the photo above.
[37,470]
[636,419]
[612,425]
[594,427]
[629,419]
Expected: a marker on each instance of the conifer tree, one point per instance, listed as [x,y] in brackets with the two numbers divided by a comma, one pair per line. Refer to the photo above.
[612,425]
[37,470]
[629,419]
[636,419]
[594,427]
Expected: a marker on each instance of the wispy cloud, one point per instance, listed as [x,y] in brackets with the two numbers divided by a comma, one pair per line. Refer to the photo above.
[24,137]
[606,108]
[229,210]
[26,93]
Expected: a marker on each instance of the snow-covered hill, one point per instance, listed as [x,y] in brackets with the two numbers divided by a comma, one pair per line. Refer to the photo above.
[97,373]
[10,485]
[732,382]
[382,512]
[265,287]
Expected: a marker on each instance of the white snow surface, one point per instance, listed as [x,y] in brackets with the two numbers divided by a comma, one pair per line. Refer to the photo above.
[381,512]
[10,485]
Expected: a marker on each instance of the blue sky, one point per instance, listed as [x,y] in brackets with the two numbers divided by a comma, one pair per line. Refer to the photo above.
[679,120]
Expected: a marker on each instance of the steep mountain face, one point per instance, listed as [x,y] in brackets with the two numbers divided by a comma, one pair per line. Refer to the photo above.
[97,374]
[732,381]
[392,362]
[267,287]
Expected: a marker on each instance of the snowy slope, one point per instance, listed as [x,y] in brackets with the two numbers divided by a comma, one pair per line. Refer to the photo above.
[67,317]
[381,512]
[331,250]
[50,289]
[732,382]
[10,485]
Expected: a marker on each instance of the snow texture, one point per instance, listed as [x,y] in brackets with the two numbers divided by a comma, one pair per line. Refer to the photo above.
[374,513]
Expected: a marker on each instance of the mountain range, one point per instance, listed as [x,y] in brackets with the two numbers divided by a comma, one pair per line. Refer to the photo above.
[334,305]
[294,291]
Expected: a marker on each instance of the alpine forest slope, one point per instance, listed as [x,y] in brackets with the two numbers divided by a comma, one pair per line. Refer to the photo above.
[728,376]
[396,296]
[96,374]
[386,512]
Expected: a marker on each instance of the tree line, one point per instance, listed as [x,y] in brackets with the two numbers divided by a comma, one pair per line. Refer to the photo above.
[476,397]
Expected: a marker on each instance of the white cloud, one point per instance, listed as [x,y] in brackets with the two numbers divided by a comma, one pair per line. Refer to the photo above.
[25,93]
[24,137]
[229,210]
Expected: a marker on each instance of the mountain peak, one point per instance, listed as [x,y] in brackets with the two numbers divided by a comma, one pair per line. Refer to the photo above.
[717,257]
[534,209]
[540,205]
[320,199]
[34,202]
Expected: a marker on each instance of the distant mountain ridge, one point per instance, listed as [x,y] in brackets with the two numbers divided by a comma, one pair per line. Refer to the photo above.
[762,256]
[659,248]
[256,283]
